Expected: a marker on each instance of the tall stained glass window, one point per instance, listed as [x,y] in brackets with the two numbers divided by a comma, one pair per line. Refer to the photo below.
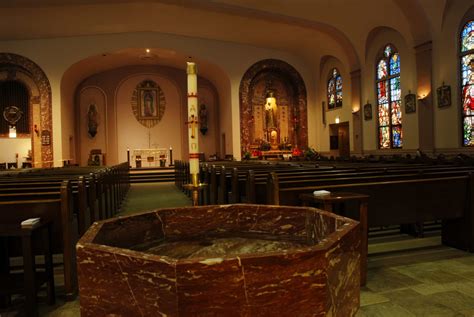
[467,82]
[388,99]
[334,89]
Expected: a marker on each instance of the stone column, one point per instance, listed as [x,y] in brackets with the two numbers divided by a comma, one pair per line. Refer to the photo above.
[425,107]
[356,107]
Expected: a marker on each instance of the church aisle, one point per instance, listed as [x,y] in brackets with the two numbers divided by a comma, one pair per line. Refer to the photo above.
[148,196]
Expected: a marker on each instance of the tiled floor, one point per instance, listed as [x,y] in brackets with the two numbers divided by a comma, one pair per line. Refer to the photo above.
[428,281]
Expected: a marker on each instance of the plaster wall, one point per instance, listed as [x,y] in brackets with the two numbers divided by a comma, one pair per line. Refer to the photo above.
[132,135]
[18,146]
[92,96]
[344,113]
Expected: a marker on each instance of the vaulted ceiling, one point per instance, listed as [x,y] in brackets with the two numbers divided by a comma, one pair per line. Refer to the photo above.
[298,25]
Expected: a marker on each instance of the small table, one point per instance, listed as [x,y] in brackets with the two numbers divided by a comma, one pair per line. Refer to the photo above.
[329,201]
[11,282]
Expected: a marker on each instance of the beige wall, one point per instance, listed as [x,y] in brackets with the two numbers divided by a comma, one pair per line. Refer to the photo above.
[19,146]
[87,96]
[132,135]
[344,113]
[119,130]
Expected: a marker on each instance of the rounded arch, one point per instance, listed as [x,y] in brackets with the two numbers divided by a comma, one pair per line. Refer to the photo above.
[420,26]
[28,72]
[298,109]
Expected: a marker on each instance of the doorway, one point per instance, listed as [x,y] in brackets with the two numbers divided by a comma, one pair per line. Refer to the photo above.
[339,139]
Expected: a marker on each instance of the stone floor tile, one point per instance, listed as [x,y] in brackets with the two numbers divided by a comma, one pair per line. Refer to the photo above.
[453,299]
[370,298]
[384,309]
[429,276]
[380,280]
[419,305]
[466,313]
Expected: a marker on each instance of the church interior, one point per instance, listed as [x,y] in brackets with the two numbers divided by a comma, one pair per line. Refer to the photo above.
[111,109]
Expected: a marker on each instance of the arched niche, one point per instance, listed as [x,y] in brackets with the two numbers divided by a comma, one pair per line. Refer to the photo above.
[15,67]
[290,93]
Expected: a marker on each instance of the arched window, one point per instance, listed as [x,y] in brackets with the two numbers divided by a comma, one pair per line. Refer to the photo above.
[334,89]
[388,99]
[467,82]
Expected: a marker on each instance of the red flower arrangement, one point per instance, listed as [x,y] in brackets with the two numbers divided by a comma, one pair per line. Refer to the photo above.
[296,152]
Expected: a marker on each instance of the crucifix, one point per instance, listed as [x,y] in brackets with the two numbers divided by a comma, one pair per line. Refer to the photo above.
[193,125]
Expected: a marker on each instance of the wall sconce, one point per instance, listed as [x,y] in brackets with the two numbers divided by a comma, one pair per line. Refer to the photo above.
[422,100]
[355,108]
[35,128]
[337,120]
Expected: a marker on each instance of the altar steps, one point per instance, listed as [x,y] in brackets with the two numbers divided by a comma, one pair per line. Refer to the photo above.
[151,175]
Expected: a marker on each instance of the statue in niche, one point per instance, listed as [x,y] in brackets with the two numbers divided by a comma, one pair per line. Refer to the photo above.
[270,111]
[92,120]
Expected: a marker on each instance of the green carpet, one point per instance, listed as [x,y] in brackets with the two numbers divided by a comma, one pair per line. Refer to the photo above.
[149,196]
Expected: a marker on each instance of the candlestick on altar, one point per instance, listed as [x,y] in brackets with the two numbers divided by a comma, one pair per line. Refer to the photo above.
[193,136]
[171,156]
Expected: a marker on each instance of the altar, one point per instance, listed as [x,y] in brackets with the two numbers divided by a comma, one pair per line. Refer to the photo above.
[276,155]
[150,157]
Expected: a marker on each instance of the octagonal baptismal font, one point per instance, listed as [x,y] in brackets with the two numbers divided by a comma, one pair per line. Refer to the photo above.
[228,260]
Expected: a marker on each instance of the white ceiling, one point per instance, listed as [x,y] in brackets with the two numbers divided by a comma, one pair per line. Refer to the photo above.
[301,27]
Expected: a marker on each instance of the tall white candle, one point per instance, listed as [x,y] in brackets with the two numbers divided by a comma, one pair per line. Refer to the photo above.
[192,122]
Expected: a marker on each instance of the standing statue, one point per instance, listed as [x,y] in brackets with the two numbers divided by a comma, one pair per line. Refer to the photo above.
[270,111]
[92,120]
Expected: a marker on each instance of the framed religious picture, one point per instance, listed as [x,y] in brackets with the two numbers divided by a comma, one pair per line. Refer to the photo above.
[444,96]
[367,111]
[148,103]
[410,103]
[45,137]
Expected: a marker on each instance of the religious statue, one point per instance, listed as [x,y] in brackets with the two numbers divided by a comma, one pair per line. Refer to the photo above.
[270,111]
[92,120]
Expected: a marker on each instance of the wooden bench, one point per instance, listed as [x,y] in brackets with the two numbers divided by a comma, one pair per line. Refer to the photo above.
[398,201]
[59,211]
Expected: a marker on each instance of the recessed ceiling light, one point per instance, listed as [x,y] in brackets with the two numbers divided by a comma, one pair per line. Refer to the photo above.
[147,50]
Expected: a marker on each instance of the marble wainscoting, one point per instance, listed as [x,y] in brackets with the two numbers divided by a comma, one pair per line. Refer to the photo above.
[229,260]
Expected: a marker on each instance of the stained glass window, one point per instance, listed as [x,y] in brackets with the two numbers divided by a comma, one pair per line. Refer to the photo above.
[334,89]
[388,99]
[467,82]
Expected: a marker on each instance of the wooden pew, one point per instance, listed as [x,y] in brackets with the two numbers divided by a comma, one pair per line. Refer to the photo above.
[82,204]
[413,200]
[59,211]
